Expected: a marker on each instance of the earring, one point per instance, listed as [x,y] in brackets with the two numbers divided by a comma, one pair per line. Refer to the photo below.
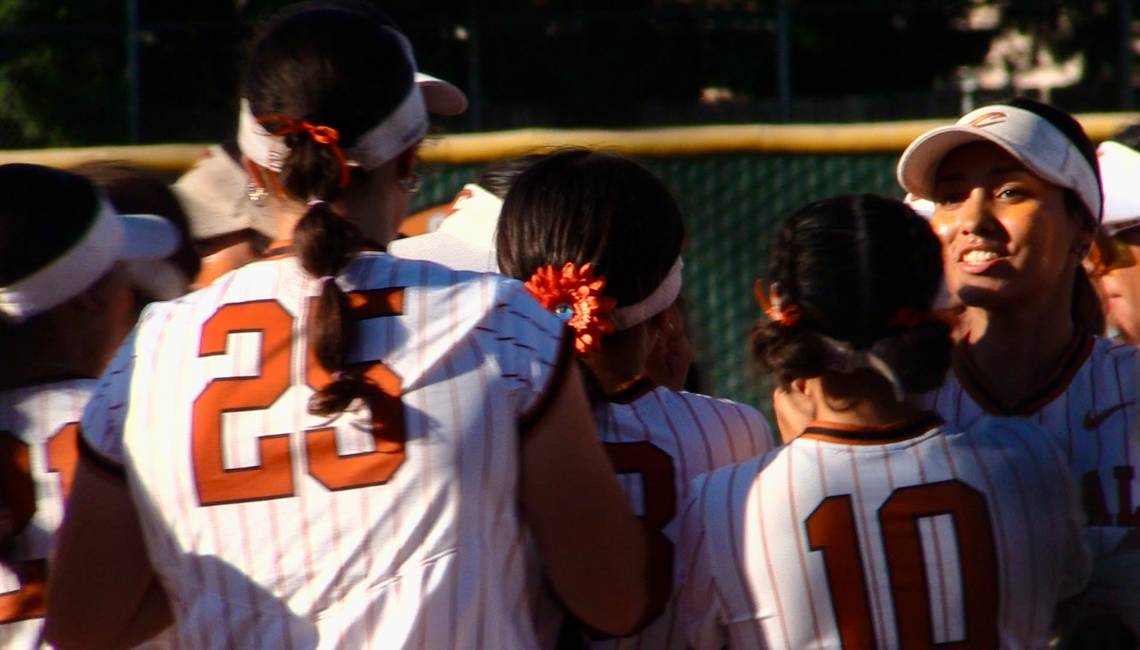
[411,184]
[255,193]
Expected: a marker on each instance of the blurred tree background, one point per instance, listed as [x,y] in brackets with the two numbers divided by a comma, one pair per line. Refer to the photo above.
[79,72]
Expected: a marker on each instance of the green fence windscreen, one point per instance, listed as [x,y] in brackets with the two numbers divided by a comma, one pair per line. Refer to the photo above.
[733,204]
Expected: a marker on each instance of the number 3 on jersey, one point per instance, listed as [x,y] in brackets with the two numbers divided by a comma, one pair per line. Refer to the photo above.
[273,477]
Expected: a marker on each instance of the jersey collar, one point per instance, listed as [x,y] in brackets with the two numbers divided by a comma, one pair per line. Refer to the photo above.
[848,434]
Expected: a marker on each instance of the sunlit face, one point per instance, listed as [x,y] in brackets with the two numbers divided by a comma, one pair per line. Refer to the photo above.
[1007,235]
[1120,289]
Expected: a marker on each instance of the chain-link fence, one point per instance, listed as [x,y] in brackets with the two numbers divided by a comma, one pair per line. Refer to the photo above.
[733,204]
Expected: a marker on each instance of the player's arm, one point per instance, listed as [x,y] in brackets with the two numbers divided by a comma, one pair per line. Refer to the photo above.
[102,590]
[592,546]
[697,598]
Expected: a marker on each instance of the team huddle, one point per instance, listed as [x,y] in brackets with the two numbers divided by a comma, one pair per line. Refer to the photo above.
[241,412]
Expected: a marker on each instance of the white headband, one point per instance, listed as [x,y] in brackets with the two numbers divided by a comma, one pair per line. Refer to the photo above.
[400,129]
[846,359]
[71,273]
[664,295]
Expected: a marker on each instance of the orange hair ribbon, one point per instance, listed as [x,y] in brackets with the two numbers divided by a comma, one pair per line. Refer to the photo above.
[325,135]
[773,307]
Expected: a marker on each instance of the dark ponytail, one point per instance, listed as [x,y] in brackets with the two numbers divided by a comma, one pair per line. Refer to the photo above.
[322,77]
[325,243]
[862,270]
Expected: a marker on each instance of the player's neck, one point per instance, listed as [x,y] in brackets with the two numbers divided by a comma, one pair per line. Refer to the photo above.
[875,408]
[1012,351]
[623,357]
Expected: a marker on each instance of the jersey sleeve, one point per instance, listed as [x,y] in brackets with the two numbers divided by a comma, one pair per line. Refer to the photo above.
[533,346]
[698,600]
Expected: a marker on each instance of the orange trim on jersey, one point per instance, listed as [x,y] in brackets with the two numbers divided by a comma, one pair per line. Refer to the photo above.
[632,390]
[854,434]
[1072,358]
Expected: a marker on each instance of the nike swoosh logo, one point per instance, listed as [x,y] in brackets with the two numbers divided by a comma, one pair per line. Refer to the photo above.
[1093,421]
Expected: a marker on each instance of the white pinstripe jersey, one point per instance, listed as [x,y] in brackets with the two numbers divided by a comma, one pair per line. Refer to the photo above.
[1089,409]
[659,441]
[899,538]
[272,528]
[38,430]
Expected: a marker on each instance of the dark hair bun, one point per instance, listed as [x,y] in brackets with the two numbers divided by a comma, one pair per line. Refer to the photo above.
[852,265]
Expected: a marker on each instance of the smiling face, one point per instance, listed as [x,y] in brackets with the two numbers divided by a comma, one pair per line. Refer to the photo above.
[1008,237]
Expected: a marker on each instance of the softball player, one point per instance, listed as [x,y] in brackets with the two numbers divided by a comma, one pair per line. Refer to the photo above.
[65,305]
[1017,198]
[335,448]
[877,525]
[1118,245]
[598,238]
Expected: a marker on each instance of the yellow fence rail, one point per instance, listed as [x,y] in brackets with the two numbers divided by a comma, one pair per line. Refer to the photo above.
[663,142]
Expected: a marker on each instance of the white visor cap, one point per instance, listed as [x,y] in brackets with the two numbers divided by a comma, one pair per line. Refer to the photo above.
[924,207]
[441,97]
[1120,176]
[465,240]
[1025,135]
[110,238]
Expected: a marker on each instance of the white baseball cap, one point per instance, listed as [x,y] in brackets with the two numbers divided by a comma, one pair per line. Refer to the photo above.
[111,237]
[1120,176]
[1031,132]
[465,240]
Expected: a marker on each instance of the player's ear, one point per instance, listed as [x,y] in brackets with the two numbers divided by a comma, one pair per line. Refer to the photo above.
[259,179]
[799,386]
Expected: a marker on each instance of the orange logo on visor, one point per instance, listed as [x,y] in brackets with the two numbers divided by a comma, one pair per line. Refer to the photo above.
[988,119]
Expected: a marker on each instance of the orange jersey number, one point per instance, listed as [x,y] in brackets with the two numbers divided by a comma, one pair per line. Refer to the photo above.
[273,477]
[831,529]
[19,501]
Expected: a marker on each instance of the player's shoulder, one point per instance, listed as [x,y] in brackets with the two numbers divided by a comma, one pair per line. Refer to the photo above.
[432,282]
[1105,347]
[77,387]
[1003,434]
[644,391]
[42,404]
[1110,359]
[735,476]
